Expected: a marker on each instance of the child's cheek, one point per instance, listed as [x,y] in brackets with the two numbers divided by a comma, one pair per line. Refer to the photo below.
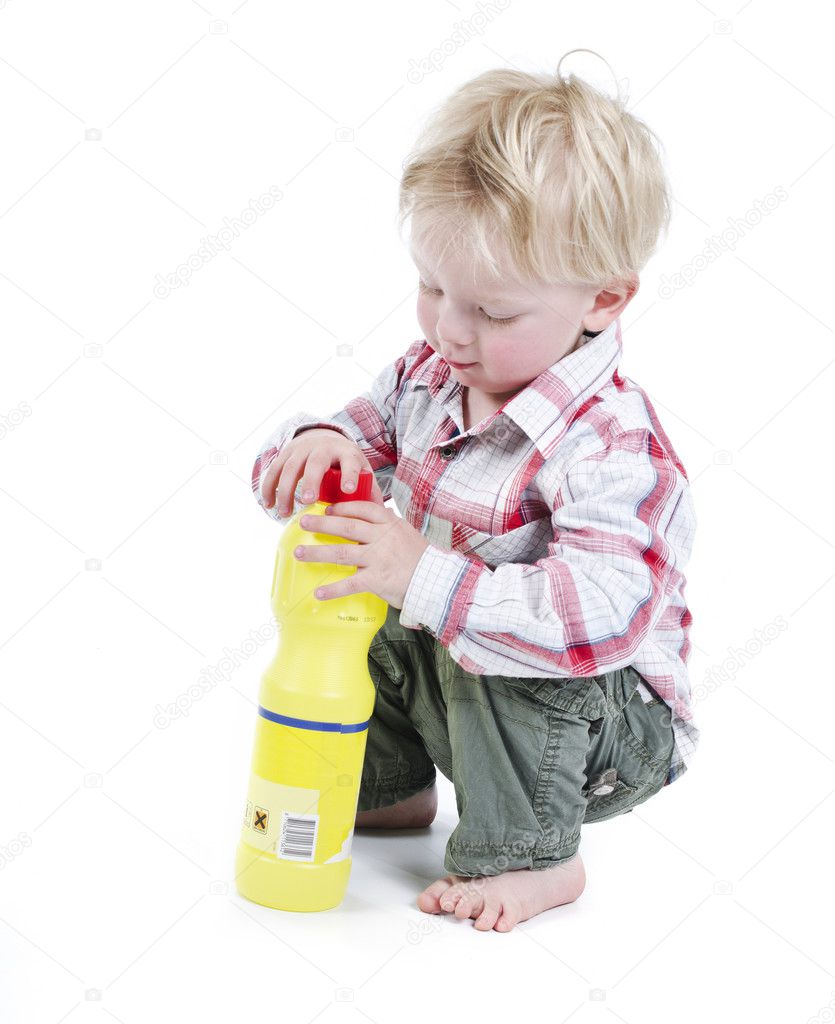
[426,321]
[506,361]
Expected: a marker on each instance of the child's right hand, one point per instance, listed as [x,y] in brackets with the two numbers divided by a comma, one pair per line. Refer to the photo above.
[309,455]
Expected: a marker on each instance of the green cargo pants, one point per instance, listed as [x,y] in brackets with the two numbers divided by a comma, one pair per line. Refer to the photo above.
[531,758]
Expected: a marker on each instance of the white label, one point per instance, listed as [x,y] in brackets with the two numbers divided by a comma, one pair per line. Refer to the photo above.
[344,852]
[297,840]
[268,804]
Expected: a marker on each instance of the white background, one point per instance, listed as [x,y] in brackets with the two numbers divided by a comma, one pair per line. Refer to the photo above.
[130,133]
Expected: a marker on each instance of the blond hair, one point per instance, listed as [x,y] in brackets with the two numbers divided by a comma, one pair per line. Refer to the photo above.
[568,182]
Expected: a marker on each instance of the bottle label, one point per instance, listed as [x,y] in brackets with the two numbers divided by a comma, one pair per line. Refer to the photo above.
[283,820]
[345,852]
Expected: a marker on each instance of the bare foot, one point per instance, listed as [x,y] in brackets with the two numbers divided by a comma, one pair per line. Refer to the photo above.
[501,901]
[417,811]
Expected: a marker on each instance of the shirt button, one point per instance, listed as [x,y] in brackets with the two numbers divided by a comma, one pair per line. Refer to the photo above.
[448,452]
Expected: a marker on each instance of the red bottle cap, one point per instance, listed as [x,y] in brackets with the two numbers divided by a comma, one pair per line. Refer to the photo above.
[331,487]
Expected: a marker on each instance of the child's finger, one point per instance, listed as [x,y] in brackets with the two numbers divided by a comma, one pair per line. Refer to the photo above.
[277,480]
[350,468]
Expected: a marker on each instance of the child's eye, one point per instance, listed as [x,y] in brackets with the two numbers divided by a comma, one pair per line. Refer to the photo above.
[492,319]
[499,320]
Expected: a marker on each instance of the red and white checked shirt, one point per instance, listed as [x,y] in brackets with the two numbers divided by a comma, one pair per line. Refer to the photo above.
[559,526]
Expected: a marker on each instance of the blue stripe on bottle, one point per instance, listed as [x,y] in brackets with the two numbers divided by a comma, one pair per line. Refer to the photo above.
[306,723]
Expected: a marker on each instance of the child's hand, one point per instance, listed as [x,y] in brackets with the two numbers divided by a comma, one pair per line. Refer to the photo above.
[387,550]
[309,455]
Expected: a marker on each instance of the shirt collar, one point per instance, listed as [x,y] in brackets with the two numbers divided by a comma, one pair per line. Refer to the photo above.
[546,407]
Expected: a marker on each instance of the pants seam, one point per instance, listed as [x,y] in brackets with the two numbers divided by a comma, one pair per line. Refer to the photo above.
[393,780]
[512,855]
[466,846]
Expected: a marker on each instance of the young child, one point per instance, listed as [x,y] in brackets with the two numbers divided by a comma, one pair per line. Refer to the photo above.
[536,643]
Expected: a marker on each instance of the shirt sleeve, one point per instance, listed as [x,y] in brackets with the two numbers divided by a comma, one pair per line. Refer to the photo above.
[368,419]
[623,524]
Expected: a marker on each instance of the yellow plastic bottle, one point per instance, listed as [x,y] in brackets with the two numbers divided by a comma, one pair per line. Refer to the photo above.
[315,702]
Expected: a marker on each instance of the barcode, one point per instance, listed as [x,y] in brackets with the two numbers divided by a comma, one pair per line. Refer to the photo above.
[298,836]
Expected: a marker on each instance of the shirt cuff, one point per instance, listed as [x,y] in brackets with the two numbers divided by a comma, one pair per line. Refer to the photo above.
[438,592]
[318,424]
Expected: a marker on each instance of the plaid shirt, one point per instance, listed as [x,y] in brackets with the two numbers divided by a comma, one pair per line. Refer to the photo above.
[559,525]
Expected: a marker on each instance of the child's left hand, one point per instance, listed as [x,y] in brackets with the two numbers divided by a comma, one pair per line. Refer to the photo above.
[387,550]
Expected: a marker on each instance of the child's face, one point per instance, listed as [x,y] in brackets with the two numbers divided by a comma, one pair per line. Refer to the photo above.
[540,324]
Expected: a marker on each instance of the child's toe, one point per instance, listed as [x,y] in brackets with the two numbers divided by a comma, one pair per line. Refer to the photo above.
[506,921]
[429,900]
[488,917]
[451,900]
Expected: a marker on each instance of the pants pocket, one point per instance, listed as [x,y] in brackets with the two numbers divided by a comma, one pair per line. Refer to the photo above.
[623,798]
[626,763]
[581,695]
[650,731]
[619,799]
